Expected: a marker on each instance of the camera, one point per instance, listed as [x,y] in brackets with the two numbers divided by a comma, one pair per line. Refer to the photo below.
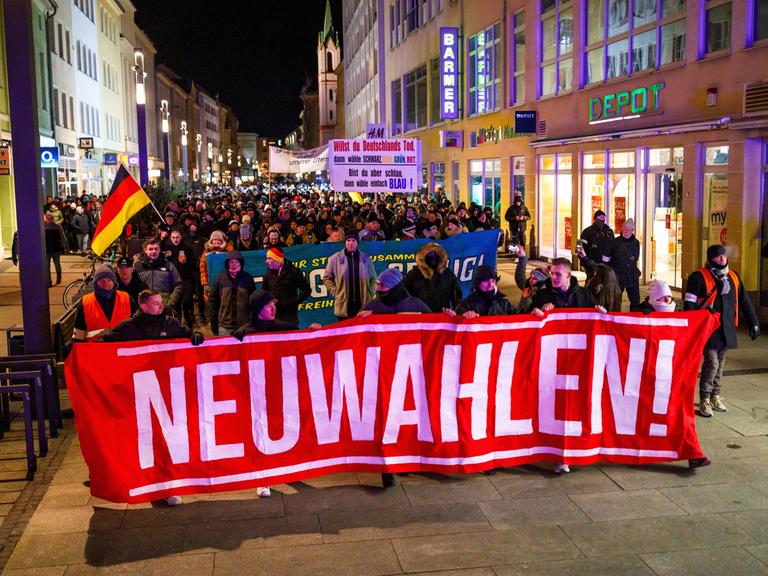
[580,244]
[514,249]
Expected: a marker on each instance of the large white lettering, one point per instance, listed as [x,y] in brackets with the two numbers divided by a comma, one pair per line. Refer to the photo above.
[505,425]
[408,364]
[451,390]
[146,391]
[550,381]
[344,391]
[208,409]
[259,418]
[624,395]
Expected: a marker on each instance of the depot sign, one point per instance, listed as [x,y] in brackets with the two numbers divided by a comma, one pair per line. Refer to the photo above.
[449,73]
[625,105]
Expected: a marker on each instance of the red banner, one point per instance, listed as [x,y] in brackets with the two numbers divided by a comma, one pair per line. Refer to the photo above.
[387,393]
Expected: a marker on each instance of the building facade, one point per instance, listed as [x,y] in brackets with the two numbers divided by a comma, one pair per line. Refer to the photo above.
[659,114]
[328,59]
[364,87]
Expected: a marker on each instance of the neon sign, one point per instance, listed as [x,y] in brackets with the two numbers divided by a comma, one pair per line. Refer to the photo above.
[449,73]
[625,105]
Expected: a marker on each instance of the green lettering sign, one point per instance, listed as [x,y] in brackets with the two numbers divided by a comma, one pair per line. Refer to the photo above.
[621,104]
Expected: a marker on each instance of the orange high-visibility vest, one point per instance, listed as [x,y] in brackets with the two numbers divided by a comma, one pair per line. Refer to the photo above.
[95,320]
[709,283]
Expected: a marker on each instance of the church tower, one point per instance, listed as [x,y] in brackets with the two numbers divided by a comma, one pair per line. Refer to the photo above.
[328,58]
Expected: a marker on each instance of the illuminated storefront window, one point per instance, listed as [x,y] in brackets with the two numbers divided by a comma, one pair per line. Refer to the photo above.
[485,60]
[714,223]
[664,189]
[556,233]
[485,183]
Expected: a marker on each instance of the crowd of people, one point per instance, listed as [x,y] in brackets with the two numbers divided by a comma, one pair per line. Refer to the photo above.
[166,292]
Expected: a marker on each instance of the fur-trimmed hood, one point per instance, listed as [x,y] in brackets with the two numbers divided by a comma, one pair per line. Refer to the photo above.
[422,253]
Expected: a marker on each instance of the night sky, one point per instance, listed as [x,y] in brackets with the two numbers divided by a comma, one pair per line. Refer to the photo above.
[255,53]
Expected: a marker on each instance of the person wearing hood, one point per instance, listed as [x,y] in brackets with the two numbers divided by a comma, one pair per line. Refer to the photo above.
[717,287]
[245,239]
[562,291]
[151,323]
[485,298]
[183,258]
[659,298]
[262,316]
[157,272]
[528,285]
[273,238]
[406,229]
[287,283]
[516,216]
[596,237]
[622,254]
[228,301]
[432,281]
[452,227]
[104,308]
[55,245]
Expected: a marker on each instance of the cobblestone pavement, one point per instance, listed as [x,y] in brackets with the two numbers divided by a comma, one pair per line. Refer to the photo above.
[600,520]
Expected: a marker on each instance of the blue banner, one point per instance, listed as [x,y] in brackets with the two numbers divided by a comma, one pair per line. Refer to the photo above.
[465,251]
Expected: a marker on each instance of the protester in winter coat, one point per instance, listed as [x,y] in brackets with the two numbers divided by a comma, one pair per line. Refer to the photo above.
[527,284]
[659,298]
[55,245]
[159,274]
[622,254]
[516,216]
[719,288]
[432,281]
[596,237]
[350,278]
[103,308]
[82,227]
[485,298]
[287,283]
[562,291]
[228,300]
[217,244]
[605,288]
[128,280]
[182,256]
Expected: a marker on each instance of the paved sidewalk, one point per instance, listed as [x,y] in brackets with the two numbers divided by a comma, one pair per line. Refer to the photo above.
[598,520]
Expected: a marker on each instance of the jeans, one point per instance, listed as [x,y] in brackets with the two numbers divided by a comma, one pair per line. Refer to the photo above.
[711,372]
[56,257]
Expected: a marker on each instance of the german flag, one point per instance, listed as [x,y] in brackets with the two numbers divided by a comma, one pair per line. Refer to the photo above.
[125,199]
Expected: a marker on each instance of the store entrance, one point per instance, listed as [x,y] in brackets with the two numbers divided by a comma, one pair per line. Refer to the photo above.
[665,192]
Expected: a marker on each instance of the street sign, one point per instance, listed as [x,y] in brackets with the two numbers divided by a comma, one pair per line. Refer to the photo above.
[49,157]
[85,143]
[5,161]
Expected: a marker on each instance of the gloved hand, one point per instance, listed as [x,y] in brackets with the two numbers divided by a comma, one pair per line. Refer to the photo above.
[197,338]
[239,334]
[646,310]
[215,328]
[754,332]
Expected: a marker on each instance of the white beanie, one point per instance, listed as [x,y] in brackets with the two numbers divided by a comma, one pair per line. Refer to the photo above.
[658,289]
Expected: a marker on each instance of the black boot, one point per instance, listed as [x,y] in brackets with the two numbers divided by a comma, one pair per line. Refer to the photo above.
[387,480]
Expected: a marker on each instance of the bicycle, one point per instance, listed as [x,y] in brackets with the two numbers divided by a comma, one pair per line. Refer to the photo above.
[75,289]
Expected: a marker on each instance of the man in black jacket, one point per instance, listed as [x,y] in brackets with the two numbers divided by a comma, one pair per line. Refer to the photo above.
[719,288]
[485,298]
[597,236]
[562,291]
[128,280]
[183,258]
[516,216]
[287,283]
[622,254]
[151,323]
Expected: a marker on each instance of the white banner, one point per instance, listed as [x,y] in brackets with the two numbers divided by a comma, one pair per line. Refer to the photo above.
[283,161]
[364,165]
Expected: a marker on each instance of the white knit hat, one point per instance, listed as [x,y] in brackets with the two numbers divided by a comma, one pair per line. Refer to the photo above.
[658,289]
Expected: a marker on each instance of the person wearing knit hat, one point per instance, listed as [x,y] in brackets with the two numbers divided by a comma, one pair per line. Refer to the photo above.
[217,244]
[485,298]
[716,287]
[228,300]
[659,298]
[104,308]
[392,298]
[350,278]
[288,284]
[595,239]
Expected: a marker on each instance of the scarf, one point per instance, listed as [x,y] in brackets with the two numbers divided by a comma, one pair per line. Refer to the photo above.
[721,275]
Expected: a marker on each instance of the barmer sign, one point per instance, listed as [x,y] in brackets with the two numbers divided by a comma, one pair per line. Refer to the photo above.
[625,105]
[449,73]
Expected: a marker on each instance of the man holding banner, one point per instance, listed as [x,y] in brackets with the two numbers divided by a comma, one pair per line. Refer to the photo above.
[350,278]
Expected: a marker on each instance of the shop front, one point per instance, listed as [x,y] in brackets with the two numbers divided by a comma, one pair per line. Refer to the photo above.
[485,183]
[763,281]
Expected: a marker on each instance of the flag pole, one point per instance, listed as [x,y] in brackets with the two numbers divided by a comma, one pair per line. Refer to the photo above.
[158,211]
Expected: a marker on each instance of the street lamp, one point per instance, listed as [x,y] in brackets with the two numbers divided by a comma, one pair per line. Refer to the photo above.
[164,115]
[141,116]
[199,141]
[210,163]
[184,151]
